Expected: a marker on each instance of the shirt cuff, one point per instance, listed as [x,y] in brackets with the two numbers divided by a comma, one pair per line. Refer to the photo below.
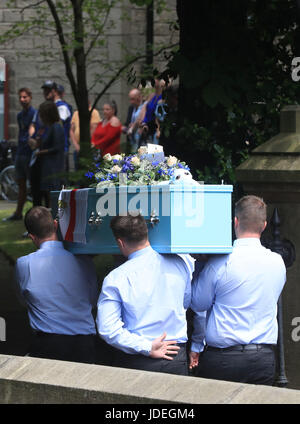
[197,347]
[146,348]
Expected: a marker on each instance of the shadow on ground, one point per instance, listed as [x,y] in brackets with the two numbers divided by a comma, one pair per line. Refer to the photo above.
[17,329]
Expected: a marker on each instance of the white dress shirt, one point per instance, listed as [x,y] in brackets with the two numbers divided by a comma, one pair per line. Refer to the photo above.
[144,297]
[240,291]
[59,289]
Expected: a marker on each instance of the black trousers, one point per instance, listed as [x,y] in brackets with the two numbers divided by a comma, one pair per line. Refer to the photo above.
[177,366]
[77,348]
[244,366]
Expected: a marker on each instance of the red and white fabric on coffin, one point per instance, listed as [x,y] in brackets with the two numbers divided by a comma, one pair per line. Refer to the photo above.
[72,208]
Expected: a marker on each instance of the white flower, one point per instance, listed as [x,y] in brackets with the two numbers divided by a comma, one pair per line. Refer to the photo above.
[107,157]
[172,160]
[142,150]
[115,168]
[116,157]
[135,161]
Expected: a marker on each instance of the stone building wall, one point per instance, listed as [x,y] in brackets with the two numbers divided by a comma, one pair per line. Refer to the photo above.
[28,67]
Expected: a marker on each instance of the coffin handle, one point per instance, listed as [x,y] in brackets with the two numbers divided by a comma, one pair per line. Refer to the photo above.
[92,218]
[95,219]
[154,220]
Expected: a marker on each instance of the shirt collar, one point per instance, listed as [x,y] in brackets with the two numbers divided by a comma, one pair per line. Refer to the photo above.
[140,252]
[50,244]
[247,241]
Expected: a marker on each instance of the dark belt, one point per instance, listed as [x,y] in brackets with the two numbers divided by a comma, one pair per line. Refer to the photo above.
[248,347]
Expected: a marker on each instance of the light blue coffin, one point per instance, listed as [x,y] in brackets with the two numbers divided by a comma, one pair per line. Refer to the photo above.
[181,219]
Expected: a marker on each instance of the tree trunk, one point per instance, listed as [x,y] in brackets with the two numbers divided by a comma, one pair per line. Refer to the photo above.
[82,92]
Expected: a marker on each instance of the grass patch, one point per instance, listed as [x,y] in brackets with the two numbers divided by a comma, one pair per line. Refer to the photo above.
[13,244]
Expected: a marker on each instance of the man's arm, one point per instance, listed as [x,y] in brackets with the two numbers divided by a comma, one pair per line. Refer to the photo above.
[21,275]
[203,289]
[203,295]
[198,338]
[189,267]
[91,278]
[111,328]
[73,138]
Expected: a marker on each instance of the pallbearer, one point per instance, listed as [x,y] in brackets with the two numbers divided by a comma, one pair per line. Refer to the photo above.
[142,306]
[240,292]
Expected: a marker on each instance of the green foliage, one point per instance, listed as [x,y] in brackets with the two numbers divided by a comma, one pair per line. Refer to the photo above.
[233,81]
[82,29]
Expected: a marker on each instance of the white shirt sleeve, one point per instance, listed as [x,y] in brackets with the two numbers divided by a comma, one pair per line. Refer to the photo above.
[203,289]
[190,266]
[110,325]
[64,112]
[21,277]
[198,336]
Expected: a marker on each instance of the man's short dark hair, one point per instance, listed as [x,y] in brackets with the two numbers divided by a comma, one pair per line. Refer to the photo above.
[26,90]
[60,89]
[131,229]
[251,212]
[39,222]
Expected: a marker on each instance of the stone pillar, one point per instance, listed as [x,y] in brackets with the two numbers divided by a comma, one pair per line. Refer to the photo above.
[273,172]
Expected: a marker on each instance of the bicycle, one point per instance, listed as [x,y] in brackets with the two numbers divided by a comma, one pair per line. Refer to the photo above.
[9,188]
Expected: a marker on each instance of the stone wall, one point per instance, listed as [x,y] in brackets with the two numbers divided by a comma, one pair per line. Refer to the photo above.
[41,381]
[29,67]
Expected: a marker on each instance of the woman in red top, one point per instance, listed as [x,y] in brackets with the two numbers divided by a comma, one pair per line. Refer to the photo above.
[107,134]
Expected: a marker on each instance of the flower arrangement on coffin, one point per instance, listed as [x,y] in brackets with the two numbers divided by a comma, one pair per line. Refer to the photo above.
[137,169]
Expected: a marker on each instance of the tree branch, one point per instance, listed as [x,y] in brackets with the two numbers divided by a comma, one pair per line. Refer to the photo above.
[122,69]
[93,42]
[32,5]
[63,44]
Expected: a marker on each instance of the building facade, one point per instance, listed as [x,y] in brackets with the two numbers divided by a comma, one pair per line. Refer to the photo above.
[36,56]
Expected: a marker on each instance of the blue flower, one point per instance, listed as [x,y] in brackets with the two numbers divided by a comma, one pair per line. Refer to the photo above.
[111,176]
[89,174]
[127,166]
[155,163]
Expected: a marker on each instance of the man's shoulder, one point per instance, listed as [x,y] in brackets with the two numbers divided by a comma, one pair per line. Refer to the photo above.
[274,257]
[23,260]
[182,259]
[217,262]
[32,109]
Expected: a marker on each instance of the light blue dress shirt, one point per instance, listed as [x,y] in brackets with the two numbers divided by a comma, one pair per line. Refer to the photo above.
[59,289]
[240,291]
[144,297]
